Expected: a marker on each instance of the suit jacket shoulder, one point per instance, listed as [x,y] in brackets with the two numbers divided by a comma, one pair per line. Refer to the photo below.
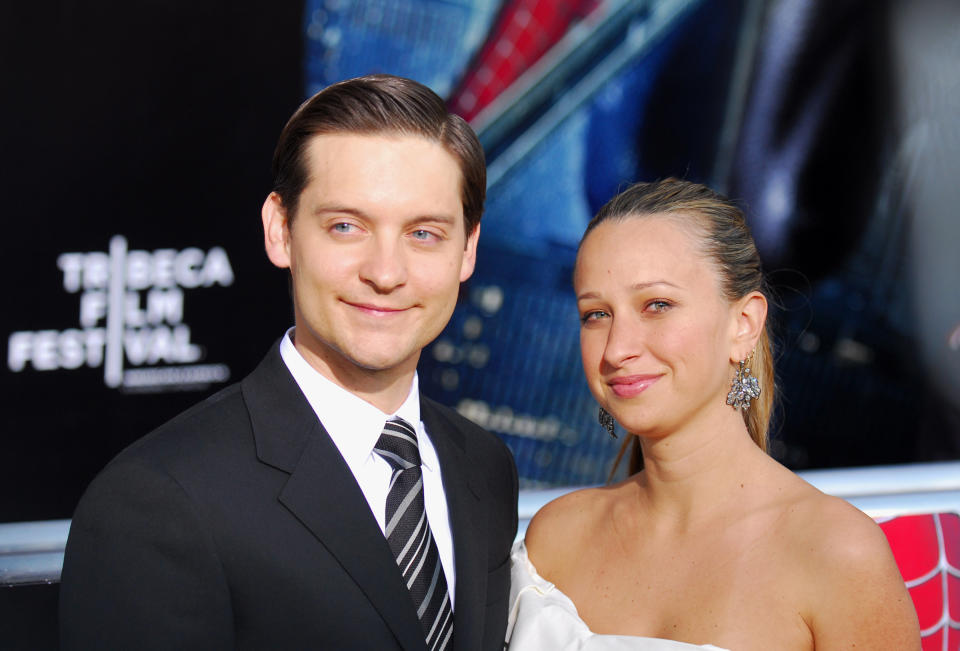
[236,524]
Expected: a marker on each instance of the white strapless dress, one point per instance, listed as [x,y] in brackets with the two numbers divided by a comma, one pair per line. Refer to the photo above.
[544,619]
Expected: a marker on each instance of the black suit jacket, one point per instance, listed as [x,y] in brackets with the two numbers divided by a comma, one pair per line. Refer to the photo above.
[239,525]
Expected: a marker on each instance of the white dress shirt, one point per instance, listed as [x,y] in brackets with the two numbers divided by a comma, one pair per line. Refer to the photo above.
[355,426]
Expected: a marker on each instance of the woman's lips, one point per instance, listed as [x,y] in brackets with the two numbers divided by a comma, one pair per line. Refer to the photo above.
[632,385]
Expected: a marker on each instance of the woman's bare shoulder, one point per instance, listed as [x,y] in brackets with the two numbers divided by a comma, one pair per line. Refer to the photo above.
[832,530]
[564,526]
[853,589]
[570,511]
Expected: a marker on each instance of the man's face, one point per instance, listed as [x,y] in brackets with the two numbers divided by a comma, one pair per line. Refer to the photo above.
[376,252]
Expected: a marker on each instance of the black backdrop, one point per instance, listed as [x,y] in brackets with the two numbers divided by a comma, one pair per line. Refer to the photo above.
[151,120]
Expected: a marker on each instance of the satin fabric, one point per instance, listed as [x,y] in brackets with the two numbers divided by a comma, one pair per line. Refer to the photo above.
[544,619]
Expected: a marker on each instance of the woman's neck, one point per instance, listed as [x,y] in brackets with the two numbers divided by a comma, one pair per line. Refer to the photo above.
[696,474]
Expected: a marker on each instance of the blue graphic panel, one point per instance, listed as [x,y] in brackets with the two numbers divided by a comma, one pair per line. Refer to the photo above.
[637,91]
[427,40]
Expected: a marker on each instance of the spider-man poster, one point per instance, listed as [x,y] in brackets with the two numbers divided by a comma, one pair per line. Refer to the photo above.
[144,134]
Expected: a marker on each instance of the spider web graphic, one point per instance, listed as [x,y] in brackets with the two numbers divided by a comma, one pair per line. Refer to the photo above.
[927,551]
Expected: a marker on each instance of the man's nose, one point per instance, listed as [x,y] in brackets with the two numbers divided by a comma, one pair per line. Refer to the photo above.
[385,264]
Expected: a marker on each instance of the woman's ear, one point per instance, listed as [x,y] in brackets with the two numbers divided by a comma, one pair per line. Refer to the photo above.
[749,318]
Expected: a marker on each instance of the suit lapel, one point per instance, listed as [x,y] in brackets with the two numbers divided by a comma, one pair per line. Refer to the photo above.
[323,494]
[464,488]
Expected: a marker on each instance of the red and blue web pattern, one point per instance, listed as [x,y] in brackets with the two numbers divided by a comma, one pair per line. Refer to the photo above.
[927,551]
[525,30]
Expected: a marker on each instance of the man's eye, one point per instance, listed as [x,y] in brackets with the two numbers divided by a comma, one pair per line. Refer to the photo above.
[344,227]
[424,235]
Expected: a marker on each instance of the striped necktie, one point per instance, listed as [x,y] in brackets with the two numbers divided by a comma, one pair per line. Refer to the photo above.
[409,536]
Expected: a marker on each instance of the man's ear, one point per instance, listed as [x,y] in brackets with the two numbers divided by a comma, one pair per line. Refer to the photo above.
[276,231]
[749,319]
[470,254]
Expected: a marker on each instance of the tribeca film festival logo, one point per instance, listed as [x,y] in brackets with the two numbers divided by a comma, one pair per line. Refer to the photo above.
[131,315]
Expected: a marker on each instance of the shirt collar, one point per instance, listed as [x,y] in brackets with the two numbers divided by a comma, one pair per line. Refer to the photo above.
[353,423]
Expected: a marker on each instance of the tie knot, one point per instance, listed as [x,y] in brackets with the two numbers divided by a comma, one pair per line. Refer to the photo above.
[398,444]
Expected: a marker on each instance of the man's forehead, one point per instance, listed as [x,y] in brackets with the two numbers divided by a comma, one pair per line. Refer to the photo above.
[353,171]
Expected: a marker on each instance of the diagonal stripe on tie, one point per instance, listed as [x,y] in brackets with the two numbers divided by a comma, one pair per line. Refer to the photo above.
[409,536]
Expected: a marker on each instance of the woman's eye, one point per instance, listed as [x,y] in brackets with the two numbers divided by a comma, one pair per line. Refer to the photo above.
[658,306]
[594,315]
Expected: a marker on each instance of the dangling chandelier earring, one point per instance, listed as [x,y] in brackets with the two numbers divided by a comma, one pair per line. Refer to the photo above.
[606,421]
[744,387]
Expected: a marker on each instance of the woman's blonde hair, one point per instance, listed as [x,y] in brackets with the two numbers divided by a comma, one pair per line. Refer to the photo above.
[726,240]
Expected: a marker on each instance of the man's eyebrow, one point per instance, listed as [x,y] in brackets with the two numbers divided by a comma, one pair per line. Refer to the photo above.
[329,208]
[443,219]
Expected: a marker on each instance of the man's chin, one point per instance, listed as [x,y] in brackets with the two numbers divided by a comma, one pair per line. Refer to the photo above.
[374,362]
[384,358]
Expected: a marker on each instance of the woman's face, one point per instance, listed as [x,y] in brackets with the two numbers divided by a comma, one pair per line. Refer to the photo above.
[656,332]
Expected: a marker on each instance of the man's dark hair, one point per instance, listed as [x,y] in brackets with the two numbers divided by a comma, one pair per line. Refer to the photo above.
[379,104]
